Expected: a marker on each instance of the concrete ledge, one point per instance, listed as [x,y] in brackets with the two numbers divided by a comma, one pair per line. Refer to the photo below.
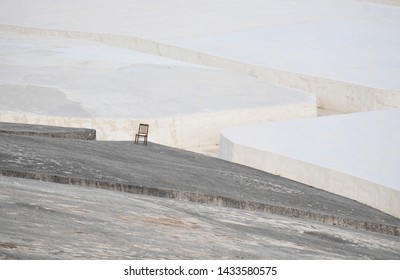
[209,199]
[47,131]
[187,131]
[384,2]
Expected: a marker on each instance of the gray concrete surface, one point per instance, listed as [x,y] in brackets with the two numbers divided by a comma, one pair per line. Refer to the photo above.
[162,171]
[41,220]
[170,204]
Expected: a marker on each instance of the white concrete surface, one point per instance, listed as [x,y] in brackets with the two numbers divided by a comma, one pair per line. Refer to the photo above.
[353,155]
[77,83]
[341,50]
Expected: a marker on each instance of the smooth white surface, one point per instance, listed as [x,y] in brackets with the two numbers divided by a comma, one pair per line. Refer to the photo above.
[103,81]
[354,155]
[349,41]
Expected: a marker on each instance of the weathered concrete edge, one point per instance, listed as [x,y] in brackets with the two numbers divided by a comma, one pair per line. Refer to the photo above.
[209,199]
[165,130]
[66,135]
[25,129]
[384,2]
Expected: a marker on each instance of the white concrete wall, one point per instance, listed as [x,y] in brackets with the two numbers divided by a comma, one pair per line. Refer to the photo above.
[364,191]
[185,131]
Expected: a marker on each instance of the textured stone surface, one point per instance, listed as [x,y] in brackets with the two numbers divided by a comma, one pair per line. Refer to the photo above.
[167,172]
[51,221]
[47,131]
[176,197]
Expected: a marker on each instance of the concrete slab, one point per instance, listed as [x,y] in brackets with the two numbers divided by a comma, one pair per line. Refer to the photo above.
[354,155]
[85,84]
[41,220]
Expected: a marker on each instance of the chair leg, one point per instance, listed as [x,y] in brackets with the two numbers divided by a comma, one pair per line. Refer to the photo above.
[137,138]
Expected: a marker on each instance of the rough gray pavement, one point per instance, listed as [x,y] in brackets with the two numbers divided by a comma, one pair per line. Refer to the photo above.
[41,220]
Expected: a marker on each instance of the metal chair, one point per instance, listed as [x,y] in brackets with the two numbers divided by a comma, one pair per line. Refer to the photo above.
[142,132]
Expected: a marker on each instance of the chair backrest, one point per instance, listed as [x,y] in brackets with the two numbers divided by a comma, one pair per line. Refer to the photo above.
[143,128]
